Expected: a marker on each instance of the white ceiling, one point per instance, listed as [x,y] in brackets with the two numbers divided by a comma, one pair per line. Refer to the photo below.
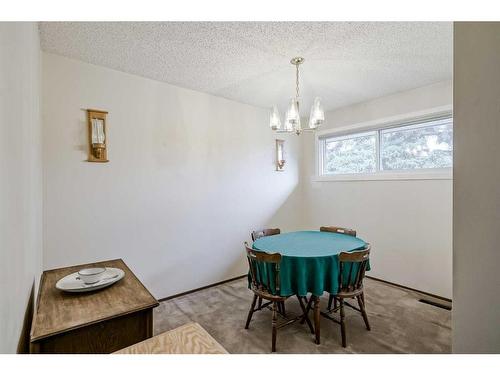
[346,62]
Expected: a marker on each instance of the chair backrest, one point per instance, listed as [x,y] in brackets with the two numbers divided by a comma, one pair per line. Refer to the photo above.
[350,232]
[264,233]
[264,270]
[352,267]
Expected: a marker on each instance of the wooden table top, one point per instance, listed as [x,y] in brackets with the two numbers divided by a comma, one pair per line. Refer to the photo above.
[190,338]
[59,311]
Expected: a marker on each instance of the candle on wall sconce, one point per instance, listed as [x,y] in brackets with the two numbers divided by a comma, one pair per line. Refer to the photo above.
[97,136]
[280,155]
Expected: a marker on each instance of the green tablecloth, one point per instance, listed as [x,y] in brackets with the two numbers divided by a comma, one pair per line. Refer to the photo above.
[309,262]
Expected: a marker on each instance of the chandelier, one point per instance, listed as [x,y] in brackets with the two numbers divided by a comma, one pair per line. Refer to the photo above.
[292,116]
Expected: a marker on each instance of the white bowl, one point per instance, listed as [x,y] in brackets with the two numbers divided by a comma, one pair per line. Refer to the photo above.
[91,275]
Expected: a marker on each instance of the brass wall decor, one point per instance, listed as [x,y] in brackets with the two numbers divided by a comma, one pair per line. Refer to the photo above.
[98,151]
[280,154]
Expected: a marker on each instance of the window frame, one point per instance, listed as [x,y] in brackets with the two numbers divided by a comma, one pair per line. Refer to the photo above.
[377,126]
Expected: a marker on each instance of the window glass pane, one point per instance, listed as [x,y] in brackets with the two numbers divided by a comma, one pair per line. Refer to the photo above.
[353,154]
[428,145]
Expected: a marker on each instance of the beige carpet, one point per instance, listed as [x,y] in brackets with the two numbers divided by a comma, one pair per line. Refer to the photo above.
[400,323]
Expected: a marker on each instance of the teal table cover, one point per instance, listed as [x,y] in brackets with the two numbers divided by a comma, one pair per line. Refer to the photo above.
[309,260]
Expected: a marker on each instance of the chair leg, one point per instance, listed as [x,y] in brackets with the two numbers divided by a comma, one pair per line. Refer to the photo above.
[334,303]
[283,310]
[259,306]
[342,323]
[316,318]
[330,300]
[250,313]
[305,317]
[275,329]
[361,304]
[308,308]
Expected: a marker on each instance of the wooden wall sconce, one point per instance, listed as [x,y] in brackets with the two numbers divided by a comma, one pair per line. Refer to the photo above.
[98,151]
[280,155]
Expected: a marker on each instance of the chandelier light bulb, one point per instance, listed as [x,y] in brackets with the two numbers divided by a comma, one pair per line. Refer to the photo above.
[274,119]
[317,115]
[292,119]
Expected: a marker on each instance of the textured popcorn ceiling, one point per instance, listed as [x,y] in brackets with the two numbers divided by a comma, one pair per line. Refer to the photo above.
[346,62]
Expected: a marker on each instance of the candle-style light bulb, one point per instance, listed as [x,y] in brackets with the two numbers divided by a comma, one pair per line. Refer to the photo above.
[292,122]
[274,119]
[317,115]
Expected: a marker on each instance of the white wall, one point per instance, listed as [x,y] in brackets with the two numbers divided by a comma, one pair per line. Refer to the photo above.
[408,223]
[476,234]
[20,176]
[190,175]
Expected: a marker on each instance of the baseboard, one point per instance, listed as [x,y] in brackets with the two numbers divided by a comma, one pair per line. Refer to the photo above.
[242,276]
[408,288]
[201,288]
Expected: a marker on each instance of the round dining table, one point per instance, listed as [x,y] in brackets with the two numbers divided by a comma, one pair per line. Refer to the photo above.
[309,263]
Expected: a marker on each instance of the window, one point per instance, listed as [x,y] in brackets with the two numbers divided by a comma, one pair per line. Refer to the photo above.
[355,153]
[404,148]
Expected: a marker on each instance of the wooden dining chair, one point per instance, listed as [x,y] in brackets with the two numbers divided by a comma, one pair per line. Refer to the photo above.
[256,234]
[354,265]
[262,287]
[350,232]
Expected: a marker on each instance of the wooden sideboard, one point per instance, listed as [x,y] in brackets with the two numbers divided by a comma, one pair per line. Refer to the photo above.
[102,321]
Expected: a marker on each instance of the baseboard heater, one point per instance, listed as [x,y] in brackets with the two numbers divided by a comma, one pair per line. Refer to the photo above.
[428,298]
[441,305]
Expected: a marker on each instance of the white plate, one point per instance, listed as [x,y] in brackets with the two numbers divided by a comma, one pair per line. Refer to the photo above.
[72,283]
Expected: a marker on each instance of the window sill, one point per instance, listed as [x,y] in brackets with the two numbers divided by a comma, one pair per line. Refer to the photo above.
[387,176]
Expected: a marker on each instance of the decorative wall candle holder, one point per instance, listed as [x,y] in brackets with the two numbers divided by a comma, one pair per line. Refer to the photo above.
[280,155]
[98,152]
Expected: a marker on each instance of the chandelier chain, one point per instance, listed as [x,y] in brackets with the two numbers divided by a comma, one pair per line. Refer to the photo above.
[297,81]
